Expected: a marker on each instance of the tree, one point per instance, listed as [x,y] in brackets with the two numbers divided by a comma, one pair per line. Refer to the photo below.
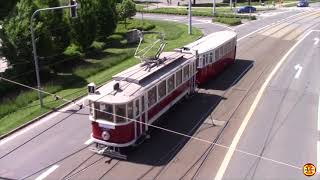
[84,28]
[106,18]
[16,35]
[126,10]
[6,6]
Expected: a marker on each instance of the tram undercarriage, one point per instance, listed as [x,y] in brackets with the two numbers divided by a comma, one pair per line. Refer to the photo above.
[117,152]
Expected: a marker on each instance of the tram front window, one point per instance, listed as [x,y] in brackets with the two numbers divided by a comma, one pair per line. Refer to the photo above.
[120,113]
[104,112]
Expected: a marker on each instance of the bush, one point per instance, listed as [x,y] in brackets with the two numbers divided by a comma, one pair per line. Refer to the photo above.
[134,24]
[226,20]
[73,50]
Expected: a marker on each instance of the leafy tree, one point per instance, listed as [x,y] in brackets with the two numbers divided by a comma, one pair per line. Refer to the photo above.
[106,18]
[6,6]
[126,10]
[16,35]
[84,27]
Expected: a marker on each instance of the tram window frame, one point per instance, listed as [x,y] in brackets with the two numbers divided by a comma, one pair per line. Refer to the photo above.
[152,93]
[195,69]
[178,77]
[217,54]
[137,107]
[221,51]
[200,62]
[117,114]
[142,104]
[91,109]
[207,59]
[162,89]
[104,113]
[204,60]
[169,87]
[186,71]
[210,57]
[130,110]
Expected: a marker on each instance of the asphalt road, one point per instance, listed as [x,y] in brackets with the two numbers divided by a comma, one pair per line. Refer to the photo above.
[284,126]
[56,144]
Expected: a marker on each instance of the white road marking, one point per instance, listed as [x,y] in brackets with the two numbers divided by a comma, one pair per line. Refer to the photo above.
[89,141]
[235,141]
[47,172]
[11,137]
[316,41]
[318,155]
[298,67]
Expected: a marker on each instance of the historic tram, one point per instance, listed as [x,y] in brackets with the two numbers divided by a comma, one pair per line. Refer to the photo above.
[121,109]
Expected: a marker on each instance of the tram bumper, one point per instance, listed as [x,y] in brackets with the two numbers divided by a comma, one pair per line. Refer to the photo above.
[108,151]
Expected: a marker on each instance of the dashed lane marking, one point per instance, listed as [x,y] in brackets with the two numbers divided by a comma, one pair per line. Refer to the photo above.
[47,172]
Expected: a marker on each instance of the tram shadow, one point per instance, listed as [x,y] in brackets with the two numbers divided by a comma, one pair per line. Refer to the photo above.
[230,76]
[186,117]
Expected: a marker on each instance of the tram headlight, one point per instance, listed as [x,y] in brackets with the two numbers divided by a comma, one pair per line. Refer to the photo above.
[105,135]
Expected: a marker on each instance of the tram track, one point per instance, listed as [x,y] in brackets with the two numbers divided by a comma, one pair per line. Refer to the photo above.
[205,155]
[76,172]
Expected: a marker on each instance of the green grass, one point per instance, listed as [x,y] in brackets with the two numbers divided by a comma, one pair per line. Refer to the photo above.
[221,12]
[229,21]
[72,83]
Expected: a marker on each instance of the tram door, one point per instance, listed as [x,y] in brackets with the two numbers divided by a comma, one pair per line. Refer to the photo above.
[140,116]
[193,76]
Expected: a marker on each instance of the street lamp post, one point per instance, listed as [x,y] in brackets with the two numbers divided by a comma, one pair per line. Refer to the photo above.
[189,18]
[35,57]
[213,7]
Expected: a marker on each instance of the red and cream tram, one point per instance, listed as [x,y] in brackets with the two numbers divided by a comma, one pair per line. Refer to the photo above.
[145,91]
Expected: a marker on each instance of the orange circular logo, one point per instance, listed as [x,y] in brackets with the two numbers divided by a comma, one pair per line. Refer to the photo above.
[309,169]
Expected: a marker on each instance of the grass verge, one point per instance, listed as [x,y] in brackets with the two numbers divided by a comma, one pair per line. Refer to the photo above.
[71,83]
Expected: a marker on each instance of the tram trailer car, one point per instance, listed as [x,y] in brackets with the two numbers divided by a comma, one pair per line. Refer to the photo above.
[121,109]
[215,52]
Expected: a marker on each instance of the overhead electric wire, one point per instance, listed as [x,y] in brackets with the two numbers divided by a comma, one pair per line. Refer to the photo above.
[157,127]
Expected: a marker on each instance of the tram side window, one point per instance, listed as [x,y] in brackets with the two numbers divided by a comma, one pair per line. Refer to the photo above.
[91,109]
[200,62]
[170,83]
[130,110]
[186,73]
[216,54]
[105,112]
[195,69]
[120,111]
[137,108]
[152,96]
[142,103]
[178,78]
[211,57]
[203,60]
[221,52]
[162,89]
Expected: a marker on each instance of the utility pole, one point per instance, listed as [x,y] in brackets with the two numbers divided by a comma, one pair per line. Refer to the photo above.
[72,6]
[213,7]
[189,18]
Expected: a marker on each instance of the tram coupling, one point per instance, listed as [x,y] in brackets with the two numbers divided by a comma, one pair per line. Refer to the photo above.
[113,152]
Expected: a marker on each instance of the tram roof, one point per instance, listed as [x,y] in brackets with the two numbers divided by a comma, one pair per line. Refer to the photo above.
[211,41]
[138,79]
